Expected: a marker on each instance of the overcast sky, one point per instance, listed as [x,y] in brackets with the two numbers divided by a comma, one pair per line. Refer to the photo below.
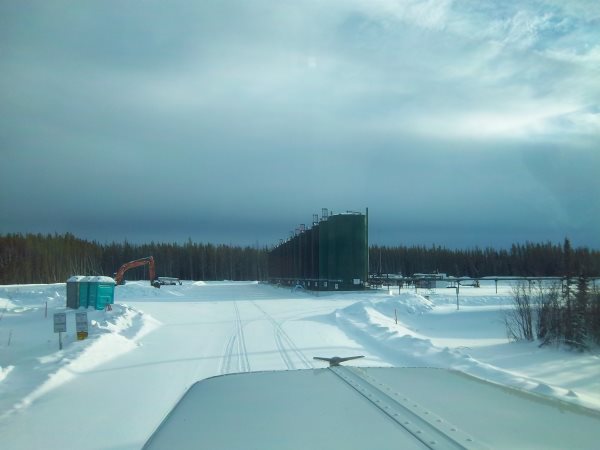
[458,123]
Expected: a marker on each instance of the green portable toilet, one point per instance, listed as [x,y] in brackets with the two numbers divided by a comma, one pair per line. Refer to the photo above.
[90,291]
[84,292]
[74,292]
[101,292]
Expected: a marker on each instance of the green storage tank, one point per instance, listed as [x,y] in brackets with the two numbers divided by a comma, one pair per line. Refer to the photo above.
[324,255]
[347,251]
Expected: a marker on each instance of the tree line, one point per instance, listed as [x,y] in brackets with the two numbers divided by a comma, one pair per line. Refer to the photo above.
[52,258]
[529,259]
[37,258]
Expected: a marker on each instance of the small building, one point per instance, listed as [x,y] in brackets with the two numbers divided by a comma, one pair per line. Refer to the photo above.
[430,280]
[90,291]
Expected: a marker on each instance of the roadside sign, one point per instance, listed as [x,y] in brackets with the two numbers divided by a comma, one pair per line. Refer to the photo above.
[81,322]
[60,322]
[81,325]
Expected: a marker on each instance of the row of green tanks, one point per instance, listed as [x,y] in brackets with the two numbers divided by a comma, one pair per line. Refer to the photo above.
[331,255]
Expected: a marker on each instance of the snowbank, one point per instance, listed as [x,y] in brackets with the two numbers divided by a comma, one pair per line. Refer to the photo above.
[373,323]
[29,343]
[4,371]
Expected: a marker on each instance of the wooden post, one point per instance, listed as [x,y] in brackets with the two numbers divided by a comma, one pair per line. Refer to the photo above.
[396,316]
[457,291]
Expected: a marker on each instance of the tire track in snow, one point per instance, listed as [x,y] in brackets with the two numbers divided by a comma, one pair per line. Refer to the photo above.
[285,344]
[243,361]
[287,360]
[236,347]
[227,355]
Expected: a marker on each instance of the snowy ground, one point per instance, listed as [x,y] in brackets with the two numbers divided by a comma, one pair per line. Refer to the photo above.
[112,390]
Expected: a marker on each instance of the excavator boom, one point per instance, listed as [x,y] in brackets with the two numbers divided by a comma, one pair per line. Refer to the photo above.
[136,263]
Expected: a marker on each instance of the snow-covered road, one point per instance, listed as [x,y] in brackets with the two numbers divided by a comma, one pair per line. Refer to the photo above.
[112,390]
[204,331]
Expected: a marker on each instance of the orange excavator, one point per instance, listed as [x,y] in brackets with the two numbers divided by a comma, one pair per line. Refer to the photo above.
[136,263]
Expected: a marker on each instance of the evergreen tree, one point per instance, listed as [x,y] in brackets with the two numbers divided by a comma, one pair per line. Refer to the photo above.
[594,314]
[579,322]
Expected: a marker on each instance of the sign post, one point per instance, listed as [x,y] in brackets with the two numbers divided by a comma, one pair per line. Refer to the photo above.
[81,325]
[60,326]
[457,291]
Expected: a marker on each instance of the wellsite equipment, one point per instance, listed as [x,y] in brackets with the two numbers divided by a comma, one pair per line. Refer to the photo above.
[331,255]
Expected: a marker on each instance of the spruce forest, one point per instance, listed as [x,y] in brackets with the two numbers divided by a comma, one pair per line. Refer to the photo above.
[37,258]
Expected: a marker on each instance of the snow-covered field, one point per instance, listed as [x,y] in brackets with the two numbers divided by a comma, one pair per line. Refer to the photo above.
[113,389]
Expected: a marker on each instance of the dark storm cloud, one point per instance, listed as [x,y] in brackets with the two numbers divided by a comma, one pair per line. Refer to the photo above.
[457,123]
